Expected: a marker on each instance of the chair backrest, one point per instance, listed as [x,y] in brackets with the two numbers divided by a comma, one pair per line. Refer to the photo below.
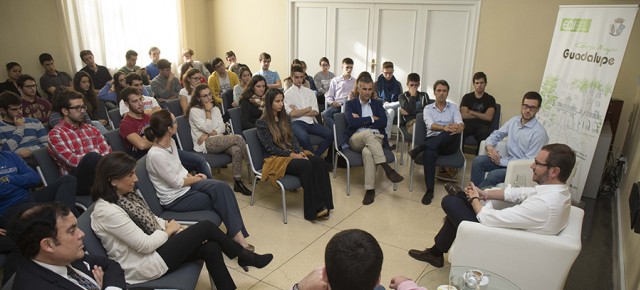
[47,167]
[501,147]
[92,243]
[419,131]
[115,118]
[145,187]
[226,96]
[339,127]
[115,141]
[184,133]
[174,107]
[236,122]
[497,115]
[254,146]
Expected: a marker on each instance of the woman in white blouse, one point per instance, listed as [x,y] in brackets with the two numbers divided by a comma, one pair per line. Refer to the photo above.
[208,133]
[147,246]
[190,80]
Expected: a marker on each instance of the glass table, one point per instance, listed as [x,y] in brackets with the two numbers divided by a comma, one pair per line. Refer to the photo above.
[436,277]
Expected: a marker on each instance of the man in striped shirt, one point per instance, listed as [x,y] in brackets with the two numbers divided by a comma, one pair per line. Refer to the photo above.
[19,134]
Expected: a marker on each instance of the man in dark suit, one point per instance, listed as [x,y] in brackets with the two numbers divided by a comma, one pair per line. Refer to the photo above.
[366,120]
[50,240]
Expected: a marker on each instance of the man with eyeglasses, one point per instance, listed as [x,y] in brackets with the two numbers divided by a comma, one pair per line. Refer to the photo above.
[543,209]
[75,145]
[526,137]
[33,106]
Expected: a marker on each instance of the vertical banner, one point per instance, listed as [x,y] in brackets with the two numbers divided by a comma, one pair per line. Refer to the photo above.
[584,59]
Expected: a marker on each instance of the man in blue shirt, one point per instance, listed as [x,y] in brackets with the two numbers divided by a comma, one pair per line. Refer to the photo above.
[526,138]
[272,77]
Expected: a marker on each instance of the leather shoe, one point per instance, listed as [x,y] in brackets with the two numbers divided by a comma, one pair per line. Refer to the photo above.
[413,153]
[427,197]
[453,188]
[426,256]
[238,186]
[369,197]
[394,176]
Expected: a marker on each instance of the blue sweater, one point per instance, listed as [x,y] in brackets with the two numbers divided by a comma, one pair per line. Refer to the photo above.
[16,177]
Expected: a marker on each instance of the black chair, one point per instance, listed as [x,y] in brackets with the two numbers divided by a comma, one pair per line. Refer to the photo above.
[256,158]
[115,141]
[455,160]
[185,277]
[353,158]
[185,142]
[115,118]
[148,192]
[174,107]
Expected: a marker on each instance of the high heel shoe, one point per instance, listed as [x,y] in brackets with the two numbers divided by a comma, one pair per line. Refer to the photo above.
[238,186]
[247,258]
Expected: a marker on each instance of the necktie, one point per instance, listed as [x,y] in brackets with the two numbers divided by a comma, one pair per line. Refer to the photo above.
[84,282]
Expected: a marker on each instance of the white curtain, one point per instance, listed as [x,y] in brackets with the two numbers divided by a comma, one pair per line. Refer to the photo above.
[111,27]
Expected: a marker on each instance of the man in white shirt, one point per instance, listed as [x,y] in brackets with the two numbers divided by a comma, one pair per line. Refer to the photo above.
[338,92]
[301,104]
[150,104]
[49,237]
[543,209]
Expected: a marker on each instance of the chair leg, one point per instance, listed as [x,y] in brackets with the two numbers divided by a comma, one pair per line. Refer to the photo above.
[411,176]
[253,189]
[284,204]
[395,167]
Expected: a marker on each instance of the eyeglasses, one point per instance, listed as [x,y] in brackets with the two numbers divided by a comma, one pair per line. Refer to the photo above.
[78,108]
[529,108]
[540,163]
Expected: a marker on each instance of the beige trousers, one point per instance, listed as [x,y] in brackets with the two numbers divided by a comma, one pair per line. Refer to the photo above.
[370,145]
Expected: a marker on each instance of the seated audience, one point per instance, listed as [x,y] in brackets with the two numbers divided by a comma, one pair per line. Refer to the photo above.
[75,145]
[234,65]
[109,92]
[52,79]
[352,260]
[543,209]
[190,80]
[55,117]
[14,70]
[187,56]
[99,74]
[208,133]
[178,190]
[152,67]
[221,80]
[323,78]
[338,92]
[301,105]
[251,102]
[444,126]
[308,80]
[183,70]
[477,109]
[96,109]
[366,120]
[526,137]
[33,106]
[283,155]
[131,67]
[147,246]
[150,104]
[245,76]
[18,134]
[271,77]
[288,81]
[389,89]
[165,86]
[51,242]
[412,102]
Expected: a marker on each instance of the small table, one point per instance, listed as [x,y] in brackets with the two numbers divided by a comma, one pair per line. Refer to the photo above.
[436,277]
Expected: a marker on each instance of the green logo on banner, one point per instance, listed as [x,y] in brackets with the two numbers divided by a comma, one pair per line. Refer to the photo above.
[575,25]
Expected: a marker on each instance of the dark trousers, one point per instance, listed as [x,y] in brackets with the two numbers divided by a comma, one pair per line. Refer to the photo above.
[192,161]
[443,143]
[477,128]
[202,241]
[8,247]
[458,209]
[85,172]
[314,177]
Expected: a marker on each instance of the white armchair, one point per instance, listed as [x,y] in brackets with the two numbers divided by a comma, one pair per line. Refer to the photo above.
[529,260]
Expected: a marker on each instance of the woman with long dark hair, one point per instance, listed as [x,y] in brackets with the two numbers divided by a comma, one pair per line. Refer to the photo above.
[251,101]
[147,246]
[96,110]
[282,151]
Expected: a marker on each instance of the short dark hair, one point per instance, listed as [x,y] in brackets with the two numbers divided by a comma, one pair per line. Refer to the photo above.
[296,68]
[533,96]
[114,165]
[130,53]
[126,92]
[163,64]
[9,98]
[324,58]
[561,156]
[347,60]
[264,56]
[11,65]
[229,53]
[387,64]
[215,62]
[24,78]
[413,77]
[32,225]
[441,82]
[353,260]
[63,100]
[45,57]
[158,125]
[85,53]
[131,77]
[479,75]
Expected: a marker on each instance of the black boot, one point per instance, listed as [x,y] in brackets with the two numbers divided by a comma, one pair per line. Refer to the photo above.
[238,186]
[247,258]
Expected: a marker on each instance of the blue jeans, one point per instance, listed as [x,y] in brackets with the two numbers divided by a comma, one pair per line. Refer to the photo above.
[302,130]
[192,161]
[483,164]
[327,115]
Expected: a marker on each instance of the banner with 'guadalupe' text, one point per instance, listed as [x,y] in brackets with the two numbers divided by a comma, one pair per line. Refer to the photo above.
[584,59]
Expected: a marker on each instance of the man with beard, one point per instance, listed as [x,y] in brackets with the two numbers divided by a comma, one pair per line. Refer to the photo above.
[75,145]
[526,137]
[543,209]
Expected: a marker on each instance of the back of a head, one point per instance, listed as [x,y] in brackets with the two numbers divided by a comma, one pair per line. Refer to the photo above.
[353,261]
[32,225]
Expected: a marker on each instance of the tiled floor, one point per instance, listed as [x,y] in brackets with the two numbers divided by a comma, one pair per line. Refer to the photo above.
[397,219]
